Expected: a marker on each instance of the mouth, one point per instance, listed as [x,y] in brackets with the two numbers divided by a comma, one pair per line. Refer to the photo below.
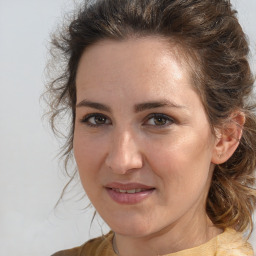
[131,193]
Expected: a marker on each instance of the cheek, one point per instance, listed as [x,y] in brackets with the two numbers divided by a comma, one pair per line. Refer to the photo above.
[88,159]
[88,155]
[181,161]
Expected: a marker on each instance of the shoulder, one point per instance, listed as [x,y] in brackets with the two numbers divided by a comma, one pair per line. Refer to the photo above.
[100,246]
[232,243]
[70,252]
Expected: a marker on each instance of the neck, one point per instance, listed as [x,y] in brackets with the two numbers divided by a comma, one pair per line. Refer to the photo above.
[169,240]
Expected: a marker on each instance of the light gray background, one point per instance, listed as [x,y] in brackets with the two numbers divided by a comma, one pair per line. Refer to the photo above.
[30,178]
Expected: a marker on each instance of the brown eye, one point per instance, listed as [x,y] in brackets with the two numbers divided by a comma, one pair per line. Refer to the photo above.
[159,120]
[99,119]
[95,120]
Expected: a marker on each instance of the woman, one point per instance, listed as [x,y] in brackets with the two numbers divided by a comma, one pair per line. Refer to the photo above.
[162,130]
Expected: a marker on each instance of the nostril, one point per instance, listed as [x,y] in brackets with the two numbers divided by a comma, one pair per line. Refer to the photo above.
[124,154]
[125,162]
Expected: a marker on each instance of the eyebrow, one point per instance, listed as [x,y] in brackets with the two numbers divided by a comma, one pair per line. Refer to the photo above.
[90,104]
[156,104]
[137,108]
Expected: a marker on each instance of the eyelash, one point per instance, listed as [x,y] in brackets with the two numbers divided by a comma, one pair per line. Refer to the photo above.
[87,118]
[168,120]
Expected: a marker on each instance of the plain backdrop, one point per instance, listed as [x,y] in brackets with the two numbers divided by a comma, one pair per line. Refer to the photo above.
[30,178]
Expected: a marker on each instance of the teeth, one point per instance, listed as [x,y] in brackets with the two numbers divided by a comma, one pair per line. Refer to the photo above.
[130,191]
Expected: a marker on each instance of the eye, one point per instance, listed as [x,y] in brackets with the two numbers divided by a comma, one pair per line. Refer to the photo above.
[96,120]
[160,120]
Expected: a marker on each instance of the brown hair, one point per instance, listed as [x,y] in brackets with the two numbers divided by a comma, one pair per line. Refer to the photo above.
[211,33]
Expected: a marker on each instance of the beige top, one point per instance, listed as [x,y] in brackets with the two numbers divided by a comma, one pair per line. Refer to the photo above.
[229,243]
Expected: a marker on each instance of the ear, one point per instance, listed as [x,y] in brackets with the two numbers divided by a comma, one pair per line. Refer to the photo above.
[228,138]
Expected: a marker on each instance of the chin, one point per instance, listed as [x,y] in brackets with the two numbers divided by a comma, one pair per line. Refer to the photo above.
[133,228]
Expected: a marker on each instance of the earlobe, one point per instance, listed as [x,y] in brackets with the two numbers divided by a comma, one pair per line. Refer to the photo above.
[228,138]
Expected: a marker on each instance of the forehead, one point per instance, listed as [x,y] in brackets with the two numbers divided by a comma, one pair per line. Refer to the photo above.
[140,58]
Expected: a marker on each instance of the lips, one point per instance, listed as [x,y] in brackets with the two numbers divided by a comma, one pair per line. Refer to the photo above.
[130,193]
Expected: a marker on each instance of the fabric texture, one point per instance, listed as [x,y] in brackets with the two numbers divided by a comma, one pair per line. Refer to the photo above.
[229,243]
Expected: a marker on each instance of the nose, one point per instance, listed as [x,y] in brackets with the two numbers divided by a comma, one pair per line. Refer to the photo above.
[124,154]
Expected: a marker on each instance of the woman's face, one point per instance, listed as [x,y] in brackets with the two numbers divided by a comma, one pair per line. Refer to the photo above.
[142,141]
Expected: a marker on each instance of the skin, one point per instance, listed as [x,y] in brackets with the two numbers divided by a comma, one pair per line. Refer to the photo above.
[174,154]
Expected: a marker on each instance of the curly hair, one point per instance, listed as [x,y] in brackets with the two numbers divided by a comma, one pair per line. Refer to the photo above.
[212,37]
